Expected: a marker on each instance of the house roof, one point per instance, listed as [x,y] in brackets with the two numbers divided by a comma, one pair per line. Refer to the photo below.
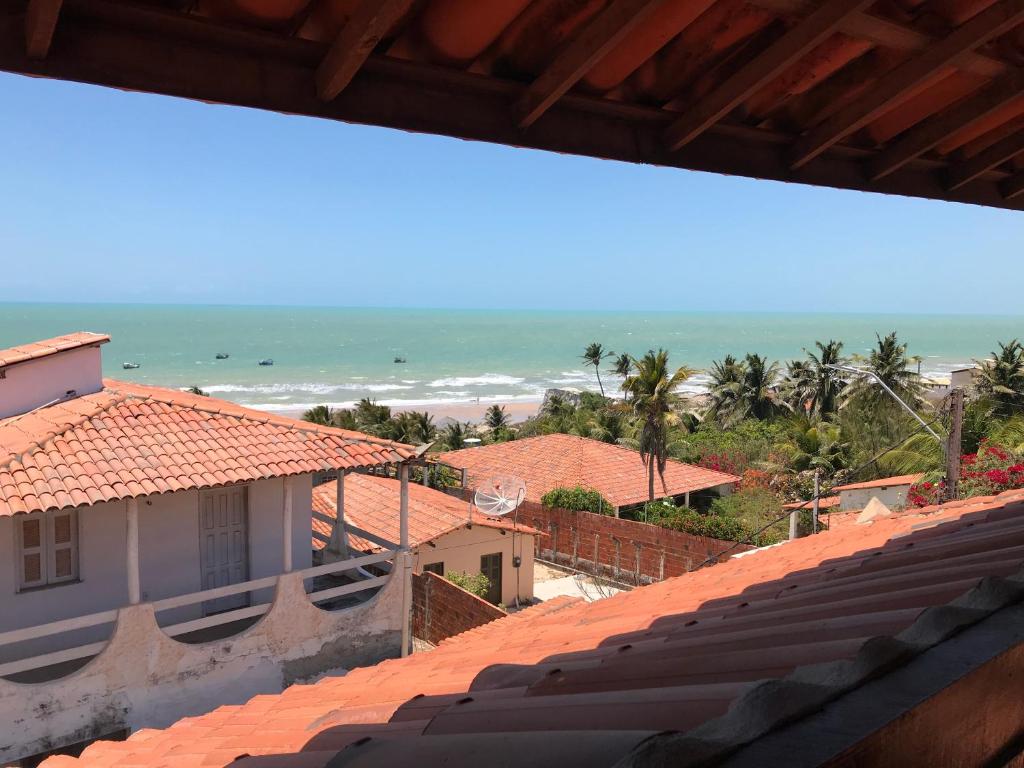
[716,656]
[371,503]
[825,502]
[909,98]
[553,461]
[131,440]
[882,482]
[47,347]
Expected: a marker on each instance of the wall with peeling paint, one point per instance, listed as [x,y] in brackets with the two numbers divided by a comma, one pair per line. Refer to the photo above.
[143,678]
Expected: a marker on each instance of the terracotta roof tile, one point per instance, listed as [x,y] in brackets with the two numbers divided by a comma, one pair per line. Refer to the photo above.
[825,502]
[565,676]
[48,347]
[129,440]
[552,461]
[370,504]
[882,482]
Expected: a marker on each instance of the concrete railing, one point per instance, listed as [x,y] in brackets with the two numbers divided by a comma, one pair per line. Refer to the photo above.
[178,601]
[144,677]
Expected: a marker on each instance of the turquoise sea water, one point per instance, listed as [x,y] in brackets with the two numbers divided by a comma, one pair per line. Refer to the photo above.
[337,355]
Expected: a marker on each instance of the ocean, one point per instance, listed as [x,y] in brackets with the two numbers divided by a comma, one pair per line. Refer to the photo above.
[335,356]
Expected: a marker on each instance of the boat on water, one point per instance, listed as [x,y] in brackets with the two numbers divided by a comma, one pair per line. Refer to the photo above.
[266,361]
[129,366]
[222,355]
[399,359]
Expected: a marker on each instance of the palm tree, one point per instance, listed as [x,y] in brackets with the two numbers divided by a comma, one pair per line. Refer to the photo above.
[318,414]
[890,363]
[594,354]
[424,427]
[496,417]
[623,365]
[1001,379]
[813,383]
[651,392]
[726,380]
[454,435]
[194,390]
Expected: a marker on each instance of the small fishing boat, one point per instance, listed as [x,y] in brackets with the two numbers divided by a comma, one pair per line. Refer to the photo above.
[266,361]
[399,359]
[222,355]
[129,366]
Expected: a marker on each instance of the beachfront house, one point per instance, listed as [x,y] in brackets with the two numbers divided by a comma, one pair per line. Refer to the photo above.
[554,461]
[891,491]
[446,534]
[155,551]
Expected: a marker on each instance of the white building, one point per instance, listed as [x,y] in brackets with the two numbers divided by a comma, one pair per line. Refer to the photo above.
[891,491]
[141,526]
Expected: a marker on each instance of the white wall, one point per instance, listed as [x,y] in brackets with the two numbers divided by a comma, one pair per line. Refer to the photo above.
[893,496]
[461,550]
[30,384]
[168,560]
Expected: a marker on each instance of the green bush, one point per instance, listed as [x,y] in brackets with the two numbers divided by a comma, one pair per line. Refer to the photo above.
[729,522]
[476,583]
[578,499]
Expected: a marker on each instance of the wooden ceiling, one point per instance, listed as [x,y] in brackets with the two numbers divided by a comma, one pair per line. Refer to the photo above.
[911,97]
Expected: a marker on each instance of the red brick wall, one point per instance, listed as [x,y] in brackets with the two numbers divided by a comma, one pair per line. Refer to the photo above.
[440,609]
[624,550]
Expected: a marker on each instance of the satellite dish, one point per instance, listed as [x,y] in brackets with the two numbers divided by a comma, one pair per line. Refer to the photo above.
[500,495]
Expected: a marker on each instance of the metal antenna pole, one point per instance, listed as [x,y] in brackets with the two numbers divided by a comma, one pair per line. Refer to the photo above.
[893,395]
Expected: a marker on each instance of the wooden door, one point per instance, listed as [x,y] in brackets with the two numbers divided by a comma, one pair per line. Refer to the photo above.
[224,544]
[490,566]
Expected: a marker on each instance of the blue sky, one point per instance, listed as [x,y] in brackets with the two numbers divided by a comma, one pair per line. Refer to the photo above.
[111,196]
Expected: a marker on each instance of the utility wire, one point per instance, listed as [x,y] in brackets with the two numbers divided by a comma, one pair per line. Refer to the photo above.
[750,539]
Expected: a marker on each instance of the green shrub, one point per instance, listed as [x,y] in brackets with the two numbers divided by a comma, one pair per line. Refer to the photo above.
[476,583]
[578,499]
[730,522]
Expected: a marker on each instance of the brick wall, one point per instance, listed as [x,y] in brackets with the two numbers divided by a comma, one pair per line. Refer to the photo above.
[440,609]
[624,550]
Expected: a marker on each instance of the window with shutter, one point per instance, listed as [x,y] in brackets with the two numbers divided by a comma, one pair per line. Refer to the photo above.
[47,548]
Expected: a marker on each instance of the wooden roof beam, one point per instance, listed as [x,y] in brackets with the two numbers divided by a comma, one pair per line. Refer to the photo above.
[885,33]
[601,35]
[932,132]
[779,56]
[40,23]
[992,22]
[1012,187]
[984,161]
[368,24]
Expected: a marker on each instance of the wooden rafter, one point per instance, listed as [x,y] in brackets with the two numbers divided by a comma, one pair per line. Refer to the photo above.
[932,132]
[368,24]
[40,23]
[599,37]
[1013,187]
[779,56]
[994,21]
[887,34]
[986,160]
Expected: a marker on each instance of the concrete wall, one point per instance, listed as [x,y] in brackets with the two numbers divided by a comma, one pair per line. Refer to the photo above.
[143,678]
[168,561]
[441,610]
[893,496]
[461,550]
[30,384]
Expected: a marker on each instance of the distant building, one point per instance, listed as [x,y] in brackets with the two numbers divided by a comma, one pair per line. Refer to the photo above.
[566,461]
[445,533]
[965,378]
[891,491]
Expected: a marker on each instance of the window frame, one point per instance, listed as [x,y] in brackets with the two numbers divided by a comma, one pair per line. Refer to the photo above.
[436,568]
[47,550]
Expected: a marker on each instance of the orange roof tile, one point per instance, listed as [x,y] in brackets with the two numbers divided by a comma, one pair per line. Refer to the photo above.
[131,440]
[552,461]
[371,503]
[825,502]
[590,683]
[47,347]
[882,482]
